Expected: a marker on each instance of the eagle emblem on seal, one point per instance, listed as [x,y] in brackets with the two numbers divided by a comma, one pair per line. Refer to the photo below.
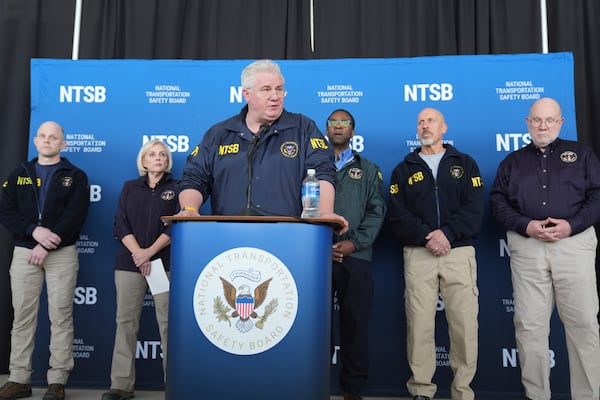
[244,303]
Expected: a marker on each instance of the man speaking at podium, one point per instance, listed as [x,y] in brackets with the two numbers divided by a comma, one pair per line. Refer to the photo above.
[253,163]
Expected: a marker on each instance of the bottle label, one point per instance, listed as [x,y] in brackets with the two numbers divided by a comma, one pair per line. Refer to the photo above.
[311,191]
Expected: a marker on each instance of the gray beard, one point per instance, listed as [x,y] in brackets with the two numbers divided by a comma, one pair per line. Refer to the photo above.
[427,142]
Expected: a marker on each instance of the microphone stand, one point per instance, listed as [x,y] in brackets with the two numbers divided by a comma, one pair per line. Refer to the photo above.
[249,210]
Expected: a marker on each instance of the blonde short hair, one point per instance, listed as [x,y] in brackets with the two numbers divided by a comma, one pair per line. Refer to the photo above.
[145,148]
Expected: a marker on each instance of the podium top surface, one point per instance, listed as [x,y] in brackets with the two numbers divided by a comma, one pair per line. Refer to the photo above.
[252,218]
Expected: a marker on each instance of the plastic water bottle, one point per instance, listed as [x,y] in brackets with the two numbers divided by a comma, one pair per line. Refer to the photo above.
[311,194]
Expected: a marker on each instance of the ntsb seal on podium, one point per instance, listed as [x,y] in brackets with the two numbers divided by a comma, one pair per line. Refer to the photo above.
[245,301]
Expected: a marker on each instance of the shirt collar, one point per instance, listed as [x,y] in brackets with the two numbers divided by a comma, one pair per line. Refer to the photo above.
[549,149]
[345,157]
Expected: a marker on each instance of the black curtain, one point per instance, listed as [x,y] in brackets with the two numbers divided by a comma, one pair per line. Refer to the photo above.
[209,29]
[409,28]
[27,29]
[277,29]
[575,27]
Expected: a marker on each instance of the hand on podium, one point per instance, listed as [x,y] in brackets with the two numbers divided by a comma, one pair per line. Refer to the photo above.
[342,222]
[188,212]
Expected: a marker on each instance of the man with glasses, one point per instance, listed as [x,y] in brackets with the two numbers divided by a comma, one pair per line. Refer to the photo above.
[360,199]
[436,209]
[547,196]
[254,163]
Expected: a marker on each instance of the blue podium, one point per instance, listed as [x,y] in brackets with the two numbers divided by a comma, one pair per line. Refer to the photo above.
[250,308]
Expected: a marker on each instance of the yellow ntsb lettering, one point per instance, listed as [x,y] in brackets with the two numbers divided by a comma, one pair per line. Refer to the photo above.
[317,143]
[394,188]
[477,181]
[416,177]
[229,149]
[24,180]
[194,152]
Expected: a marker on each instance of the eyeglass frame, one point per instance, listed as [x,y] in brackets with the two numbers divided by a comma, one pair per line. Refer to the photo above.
[550,122]
[344,123]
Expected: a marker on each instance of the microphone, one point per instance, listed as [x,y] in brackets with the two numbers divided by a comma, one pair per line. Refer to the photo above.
[254,143]
[263,129]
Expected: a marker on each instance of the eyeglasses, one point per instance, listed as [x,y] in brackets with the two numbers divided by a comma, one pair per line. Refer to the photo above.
[342,122]
[267,92]
[550,122]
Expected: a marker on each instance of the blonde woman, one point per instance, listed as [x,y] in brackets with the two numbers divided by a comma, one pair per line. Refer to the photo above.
[143,238]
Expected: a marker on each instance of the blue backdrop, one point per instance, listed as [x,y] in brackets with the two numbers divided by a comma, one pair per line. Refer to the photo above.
[109,108]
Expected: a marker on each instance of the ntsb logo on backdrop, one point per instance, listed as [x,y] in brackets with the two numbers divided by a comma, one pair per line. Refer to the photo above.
[176,143]
[428,92]
[81,93]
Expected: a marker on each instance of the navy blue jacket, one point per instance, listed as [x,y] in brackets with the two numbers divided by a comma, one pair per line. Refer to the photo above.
[454,204]
[562,182]
[218,166]
[65,206]
[138,213]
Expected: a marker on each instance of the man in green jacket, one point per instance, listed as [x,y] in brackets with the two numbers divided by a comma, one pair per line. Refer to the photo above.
[360,198]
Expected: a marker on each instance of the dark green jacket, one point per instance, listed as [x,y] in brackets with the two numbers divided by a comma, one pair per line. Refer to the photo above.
[360,198]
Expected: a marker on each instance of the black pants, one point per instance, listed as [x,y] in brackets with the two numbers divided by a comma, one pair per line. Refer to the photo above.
[354,286]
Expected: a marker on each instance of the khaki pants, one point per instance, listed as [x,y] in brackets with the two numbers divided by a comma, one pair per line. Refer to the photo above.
[26,280]
[131,290]
[455,277]
[564,273]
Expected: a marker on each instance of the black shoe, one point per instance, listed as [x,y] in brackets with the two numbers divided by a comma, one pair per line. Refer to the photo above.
[56,391]
[117,394]
[419,397]
[14,390]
